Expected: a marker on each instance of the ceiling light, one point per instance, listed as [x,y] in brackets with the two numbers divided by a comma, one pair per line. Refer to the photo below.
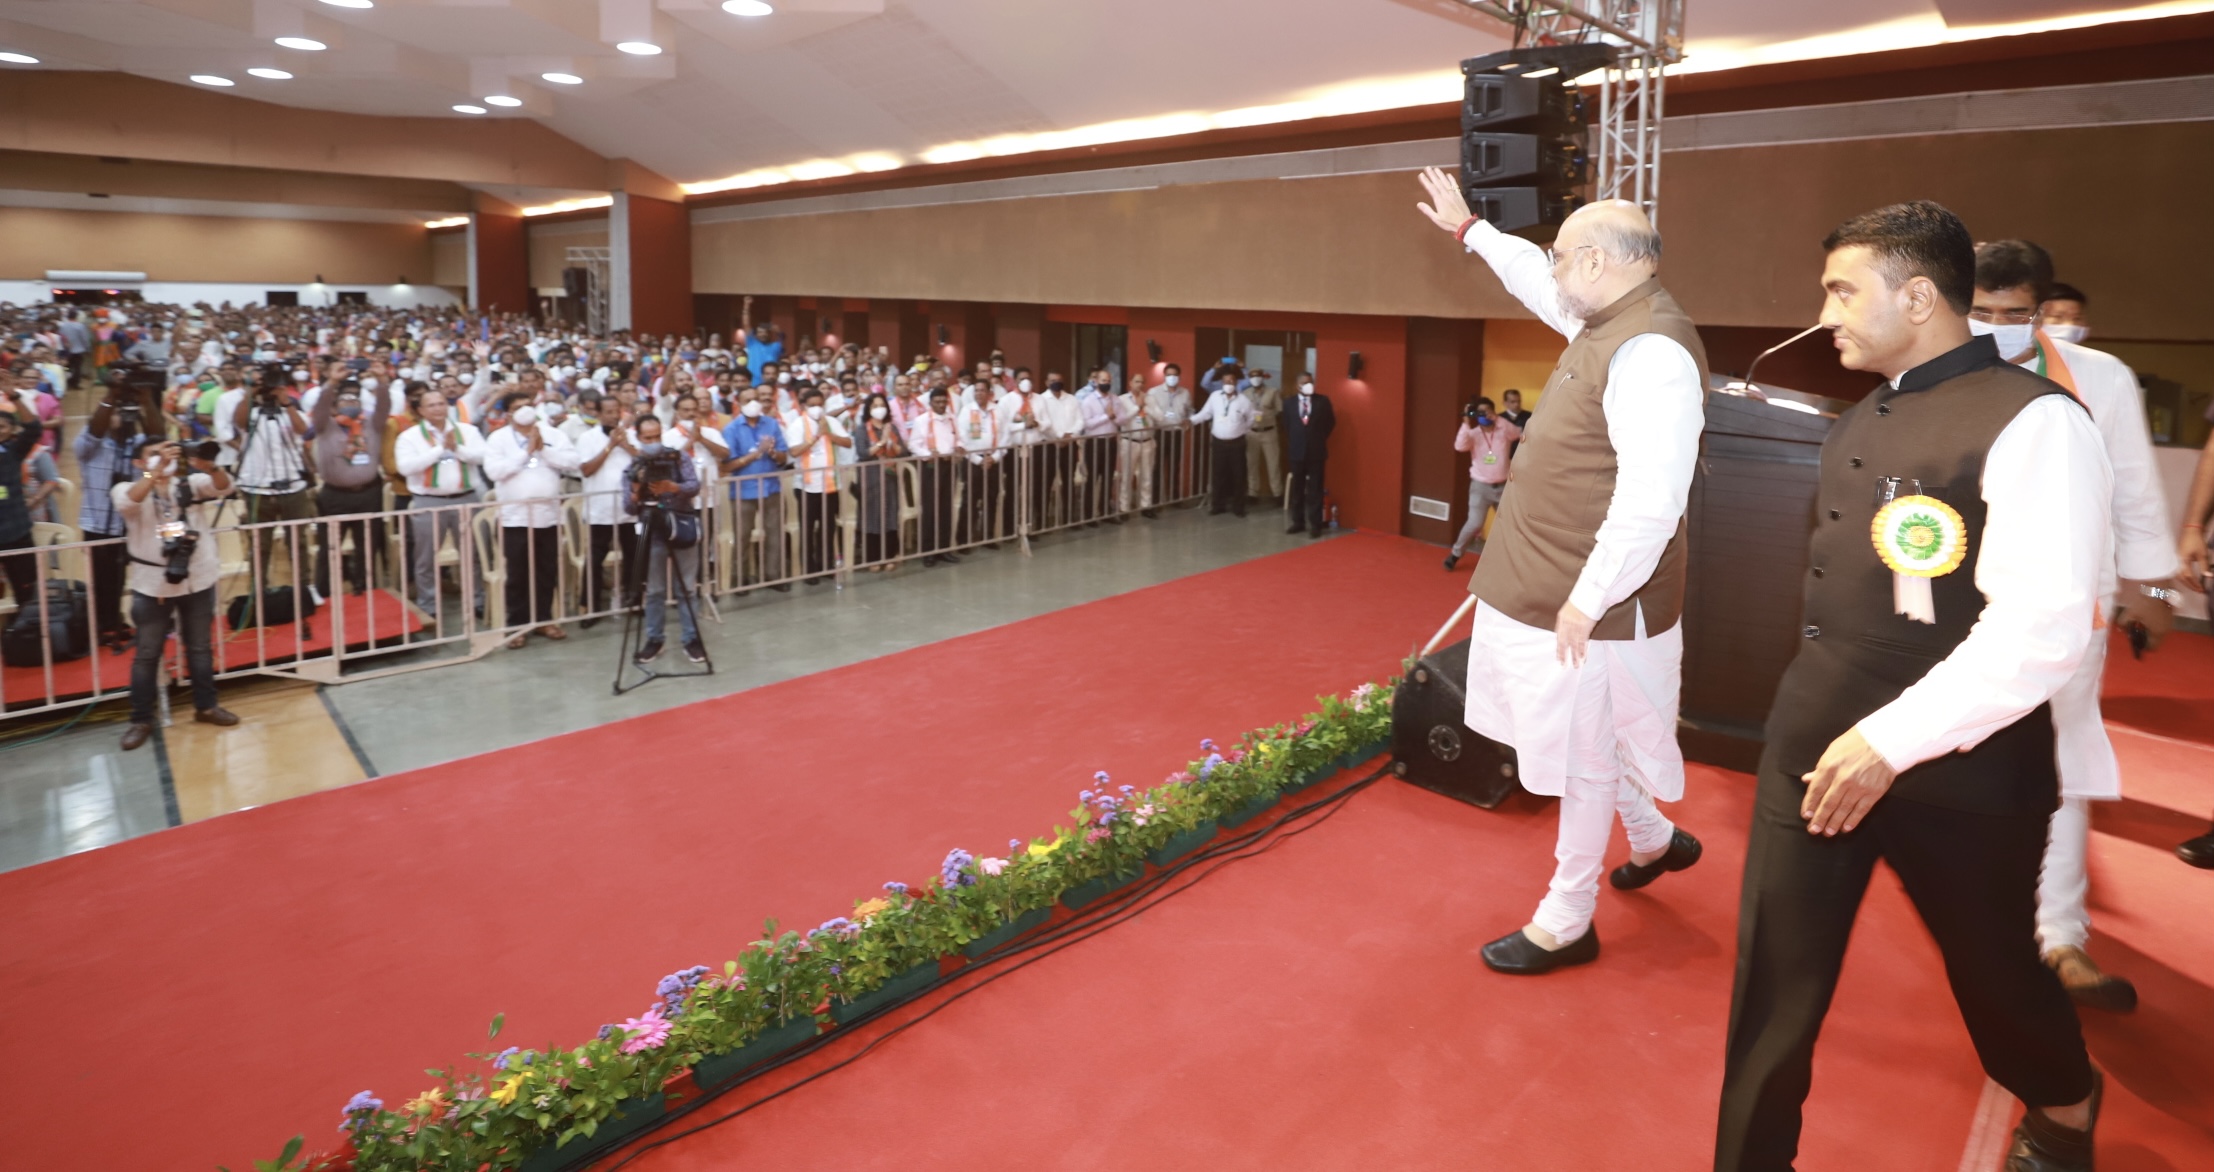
[747,7]
[465,108]
[563,78]
[18,58]
[211,79]
[271,74]
[304,44]
[640,48]
[502,100]
[351,3]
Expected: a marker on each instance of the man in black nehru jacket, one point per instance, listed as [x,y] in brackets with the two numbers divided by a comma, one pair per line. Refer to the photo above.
[1960,528]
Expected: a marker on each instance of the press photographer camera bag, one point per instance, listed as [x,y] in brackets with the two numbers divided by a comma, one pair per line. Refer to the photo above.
[62,617]
[276,609]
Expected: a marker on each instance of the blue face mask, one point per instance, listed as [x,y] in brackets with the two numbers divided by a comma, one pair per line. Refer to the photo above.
[349,410]
[653,449]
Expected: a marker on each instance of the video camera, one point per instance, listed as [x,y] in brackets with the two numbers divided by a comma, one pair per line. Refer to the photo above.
[660,466]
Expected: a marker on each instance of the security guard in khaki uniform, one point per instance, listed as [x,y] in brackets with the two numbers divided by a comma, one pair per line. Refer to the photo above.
[1264,467]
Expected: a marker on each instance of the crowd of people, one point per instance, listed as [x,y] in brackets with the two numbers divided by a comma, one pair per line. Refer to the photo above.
[319,425]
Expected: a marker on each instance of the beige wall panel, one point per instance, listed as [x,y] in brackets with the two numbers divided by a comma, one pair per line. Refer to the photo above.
[550,245]
[2121,208]
[211,248]
[450,260]
[46,171]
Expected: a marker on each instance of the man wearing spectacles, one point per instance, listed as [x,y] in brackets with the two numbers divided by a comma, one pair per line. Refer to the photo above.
[1577,650]
[2014,281]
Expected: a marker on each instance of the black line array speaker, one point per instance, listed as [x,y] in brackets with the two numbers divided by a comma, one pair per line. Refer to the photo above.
[1430,747]
[1524,166]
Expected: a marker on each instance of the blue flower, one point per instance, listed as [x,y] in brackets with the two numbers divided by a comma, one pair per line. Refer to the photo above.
[837,969]
[1014,847]
[1207,767]
[1206,745]
[896,887]
[1128,790]
[956,870]
[359,1110]
[1101,777]
[499,1061]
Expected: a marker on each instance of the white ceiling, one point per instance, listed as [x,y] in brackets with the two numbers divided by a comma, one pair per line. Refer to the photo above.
[869,84]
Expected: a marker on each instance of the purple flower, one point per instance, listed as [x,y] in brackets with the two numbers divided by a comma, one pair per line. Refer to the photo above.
[1014,846]
[1128,790]
[499,1061]
[606,1032]
[837,969]
[955,871]
[1206,745]
[896,887]
[1101,777]
[678,985]
[1207,767]
[359,1110]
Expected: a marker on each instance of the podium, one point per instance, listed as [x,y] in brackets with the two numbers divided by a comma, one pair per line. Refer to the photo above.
[1750,514]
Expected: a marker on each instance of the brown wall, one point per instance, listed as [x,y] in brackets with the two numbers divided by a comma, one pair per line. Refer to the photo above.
[550,244]
[211,248]
[47,171]
[2119,206]
[660,266]
[449,249]
[503,263]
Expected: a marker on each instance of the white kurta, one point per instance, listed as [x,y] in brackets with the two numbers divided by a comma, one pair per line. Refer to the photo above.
[1518,692]
[2142,552]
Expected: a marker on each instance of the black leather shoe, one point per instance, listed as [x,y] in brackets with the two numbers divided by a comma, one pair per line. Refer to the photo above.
[2199,852]
[1452,560]
[2041,1145]
[1683,851]
[1521,956]
[1296,529]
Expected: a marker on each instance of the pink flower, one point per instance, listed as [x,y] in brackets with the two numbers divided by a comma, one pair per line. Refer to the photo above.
[645,1032]
[1180,777]
[991,866]
[1097,833]
[1143,814]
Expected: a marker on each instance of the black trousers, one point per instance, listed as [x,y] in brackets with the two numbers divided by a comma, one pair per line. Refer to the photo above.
[109,565]
[936,523]
[368,536]
[1306,493]
[21,569]
[818,530]
[1228,485]
[1973,879]
[987,511]
[533,556]
[622,535]
[1099,477]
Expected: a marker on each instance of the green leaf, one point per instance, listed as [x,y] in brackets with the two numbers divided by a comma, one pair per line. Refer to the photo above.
[498,1020]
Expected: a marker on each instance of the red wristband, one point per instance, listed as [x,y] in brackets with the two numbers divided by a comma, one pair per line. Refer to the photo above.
[1461,232]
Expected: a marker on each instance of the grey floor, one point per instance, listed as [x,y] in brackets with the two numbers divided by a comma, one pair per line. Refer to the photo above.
[76,792]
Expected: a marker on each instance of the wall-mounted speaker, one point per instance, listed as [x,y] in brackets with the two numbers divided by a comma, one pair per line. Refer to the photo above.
[1354,365]
[1152,350]
[945,336]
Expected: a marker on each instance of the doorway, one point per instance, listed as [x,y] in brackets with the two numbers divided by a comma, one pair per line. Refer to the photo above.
[1096,346]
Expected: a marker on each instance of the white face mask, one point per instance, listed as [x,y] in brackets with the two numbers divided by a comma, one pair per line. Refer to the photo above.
[2067,332]
[815,412]
[783,377]
[1023,385]
[1172,380]
[2012,339]
[368,384]
[1306,388]
[879,413]
[750,409]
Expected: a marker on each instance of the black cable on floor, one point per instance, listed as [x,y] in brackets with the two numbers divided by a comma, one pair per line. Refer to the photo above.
[1117,908]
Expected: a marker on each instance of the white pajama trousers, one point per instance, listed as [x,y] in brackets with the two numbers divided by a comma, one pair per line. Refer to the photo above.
[2088,773]
[1597,792]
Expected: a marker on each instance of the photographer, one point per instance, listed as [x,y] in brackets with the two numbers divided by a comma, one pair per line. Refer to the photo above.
[266,431]
[664,492]
[19,434]
[174,567]
[1489,441]
[130,412]
[349,425]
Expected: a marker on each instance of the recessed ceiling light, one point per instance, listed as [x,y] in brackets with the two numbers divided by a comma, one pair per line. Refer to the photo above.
[18,58]
[271,74]
[502,100]
[747,7]
[465,108]
[640,48]
[351,3]
[304,44]
[211,79]
[563,78]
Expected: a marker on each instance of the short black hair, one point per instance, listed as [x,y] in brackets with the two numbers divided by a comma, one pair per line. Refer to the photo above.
[1482,401]
[1916,239]
[2011,264]
[2062,291]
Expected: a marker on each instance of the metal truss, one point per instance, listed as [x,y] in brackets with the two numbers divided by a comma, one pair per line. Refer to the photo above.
[595,262]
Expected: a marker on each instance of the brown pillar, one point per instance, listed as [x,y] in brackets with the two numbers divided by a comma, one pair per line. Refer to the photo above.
[1445,368]
[499,258]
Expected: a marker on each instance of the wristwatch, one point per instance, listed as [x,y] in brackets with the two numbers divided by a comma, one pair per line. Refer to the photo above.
[2174,598]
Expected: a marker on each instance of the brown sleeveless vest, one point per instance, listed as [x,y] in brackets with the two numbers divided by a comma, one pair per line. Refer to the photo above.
[1562,480]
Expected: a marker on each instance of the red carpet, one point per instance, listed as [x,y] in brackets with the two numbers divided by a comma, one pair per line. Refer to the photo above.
[372,617]
[204,993]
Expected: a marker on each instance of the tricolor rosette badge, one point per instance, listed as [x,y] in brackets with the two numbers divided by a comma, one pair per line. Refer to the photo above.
[1920,537]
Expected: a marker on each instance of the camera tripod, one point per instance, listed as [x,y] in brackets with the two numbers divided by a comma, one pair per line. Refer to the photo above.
[656,544]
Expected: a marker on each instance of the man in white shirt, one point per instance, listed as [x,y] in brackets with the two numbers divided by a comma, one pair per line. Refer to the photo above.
[1230,416]
[988,511]
[814,437]
[1023,420]
[172,500]
[1576,651]
[1064,424]
[1138,418]
[526,460]
[605,453]
[1171,406]
[1961,533]
[1096,402]
[2013,278]
[443,461]
[935,440]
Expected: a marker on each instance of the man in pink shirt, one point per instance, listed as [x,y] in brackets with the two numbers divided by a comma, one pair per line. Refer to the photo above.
[1489,441]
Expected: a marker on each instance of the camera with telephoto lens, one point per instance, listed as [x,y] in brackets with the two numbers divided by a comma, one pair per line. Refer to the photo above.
[661,465]
[275,380]
[178,541]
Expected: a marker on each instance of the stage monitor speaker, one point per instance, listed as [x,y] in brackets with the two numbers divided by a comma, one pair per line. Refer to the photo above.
[1432,748]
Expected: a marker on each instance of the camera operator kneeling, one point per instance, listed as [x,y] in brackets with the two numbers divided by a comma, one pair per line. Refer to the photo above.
[664,491]
[167,519]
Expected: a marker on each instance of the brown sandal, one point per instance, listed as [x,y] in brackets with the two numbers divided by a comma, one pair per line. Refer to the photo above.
[553,632]
[516,643]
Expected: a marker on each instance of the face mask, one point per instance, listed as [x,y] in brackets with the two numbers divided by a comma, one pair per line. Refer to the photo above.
[350,410]
[368,384]
[299,376]
[1172,380]
[1306,388]
[783,377]
[650,450]
[880,413]
[1023,386]
[2012,339]
[524,417]
[750,409]
[1055,388]
[815,412]
[2067,333]
[554,412]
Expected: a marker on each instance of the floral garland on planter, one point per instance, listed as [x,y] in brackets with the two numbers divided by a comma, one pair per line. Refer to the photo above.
[545,1110]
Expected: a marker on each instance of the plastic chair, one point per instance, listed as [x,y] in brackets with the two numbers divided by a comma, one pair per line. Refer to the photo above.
[576,545]
[910,504]
[491,565]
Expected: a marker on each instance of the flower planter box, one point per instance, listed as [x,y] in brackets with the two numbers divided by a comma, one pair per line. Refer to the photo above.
[1316,775]
[631,1117]
[1083,894]
[899,988]
[715,1070]
[1366,753]
[1005,932]
[1247,812]
[1181,845]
